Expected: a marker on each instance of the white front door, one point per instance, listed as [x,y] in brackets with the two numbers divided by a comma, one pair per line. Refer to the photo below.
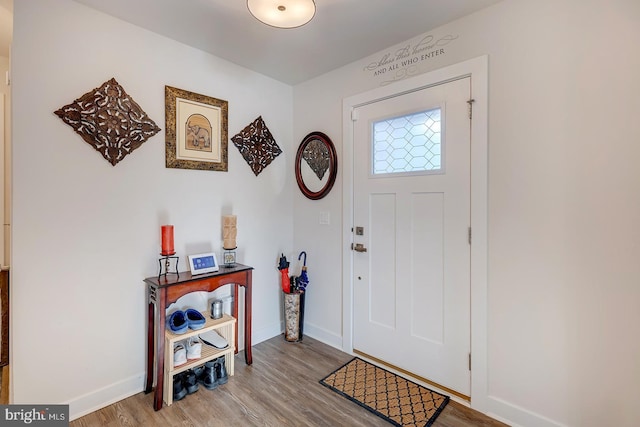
[411,264]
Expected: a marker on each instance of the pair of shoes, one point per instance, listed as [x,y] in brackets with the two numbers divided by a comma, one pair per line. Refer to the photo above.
[184,383]
[179,321]
[191,350]
[212,373]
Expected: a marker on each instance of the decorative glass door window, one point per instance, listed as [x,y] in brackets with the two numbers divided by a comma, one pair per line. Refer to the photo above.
[411,143]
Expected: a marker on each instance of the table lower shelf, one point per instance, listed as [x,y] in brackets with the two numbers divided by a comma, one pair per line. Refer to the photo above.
[225,327]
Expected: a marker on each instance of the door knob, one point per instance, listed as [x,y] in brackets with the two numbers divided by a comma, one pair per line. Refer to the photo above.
[358,247]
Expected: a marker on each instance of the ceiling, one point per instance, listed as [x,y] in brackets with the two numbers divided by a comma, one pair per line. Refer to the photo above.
[341,32]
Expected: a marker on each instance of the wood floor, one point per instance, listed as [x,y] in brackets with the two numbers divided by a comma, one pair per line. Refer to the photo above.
[4,388]
[281,388]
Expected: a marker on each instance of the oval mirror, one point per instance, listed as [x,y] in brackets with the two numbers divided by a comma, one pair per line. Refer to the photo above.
[316,165]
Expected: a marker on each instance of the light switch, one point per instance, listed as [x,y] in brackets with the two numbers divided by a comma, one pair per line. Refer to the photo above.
[324,218]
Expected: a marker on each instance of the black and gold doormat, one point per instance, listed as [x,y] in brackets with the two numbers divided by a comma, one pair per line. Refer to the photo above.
[389,396]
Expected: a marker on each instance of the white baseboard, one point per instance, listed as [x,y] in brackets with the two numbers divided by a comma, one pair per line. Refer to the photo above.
[517,416]
[323,335]
[263,333]
[98,399]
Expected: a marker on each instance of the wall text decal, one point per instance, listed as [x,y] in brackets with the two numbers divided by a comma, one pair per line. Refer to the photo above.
[403,62]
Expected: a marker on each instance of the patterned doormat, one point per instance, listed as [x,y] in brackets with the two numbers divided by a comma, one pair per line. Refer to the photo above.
[389,396]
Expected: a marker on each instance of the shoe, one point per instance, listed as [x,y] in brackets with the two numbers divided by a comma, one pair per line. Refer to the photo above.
[177,322]
[190,381]
[179,391]
[208,376]
[195,319]
[179,354]
[213,338]
[198,371]
[194,348]
[221,370]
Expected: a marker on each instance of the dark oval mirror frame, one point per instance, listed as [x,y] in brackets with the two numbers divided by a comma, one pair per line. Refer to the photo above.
[333,165]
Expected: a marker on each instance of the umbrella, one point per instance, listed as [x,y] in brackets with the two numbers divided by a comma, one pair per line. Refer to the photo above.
[303,279]
[283,266]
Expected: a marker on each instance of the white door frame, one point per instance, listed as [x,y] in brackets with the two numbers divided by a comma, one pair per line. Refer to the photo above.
[477,69]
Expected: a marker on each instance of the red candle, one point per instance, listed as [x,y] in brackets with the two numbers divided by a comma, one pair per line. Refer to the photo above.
[167,240]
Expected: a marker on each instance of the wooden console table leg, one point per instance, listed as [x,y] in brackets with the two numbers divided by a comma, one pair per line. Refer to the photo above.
[160,321]
[234,313]
[150,347]
[247,319]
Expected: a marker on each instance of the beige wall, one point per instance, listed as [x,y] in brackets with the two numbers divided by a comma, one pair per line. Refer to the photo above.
[563,297]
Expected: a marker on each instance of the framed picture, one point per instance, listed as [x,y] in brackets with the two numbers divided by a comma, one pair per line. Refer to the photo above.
[196,131]
[203,263]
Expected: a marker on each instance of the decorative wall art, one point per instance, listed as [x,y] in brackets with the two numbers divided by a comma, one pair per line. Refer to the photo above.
[109,120]
[316,165]
[257,145]
[196,131]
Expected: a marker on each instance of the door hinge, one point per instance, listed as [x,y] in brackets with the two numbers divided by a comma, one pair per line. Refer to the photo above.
[470,103]
[354,115]
[469,234]
[469,361]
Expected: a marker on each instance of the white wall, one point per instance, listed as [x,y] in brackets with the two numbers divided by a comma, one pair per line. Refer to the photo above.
[564,301]
[87,233]
[563,295]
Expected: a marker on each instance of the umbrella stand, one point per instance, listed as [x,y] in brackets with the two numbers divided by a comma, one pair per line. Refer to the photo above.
[293,289]
[293,316]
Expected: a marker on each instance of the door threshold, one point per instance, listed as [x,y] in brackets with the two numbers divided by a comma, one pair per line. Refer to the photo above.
[414,376]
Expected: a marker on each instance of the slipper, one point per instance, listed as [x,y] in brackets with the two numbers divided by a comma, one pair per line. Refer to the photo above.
[177,322]
[214,339]
[195,319]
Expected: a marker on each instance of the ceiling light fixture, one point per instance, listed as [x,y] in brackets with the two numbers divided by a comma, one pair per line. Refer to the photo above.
[282,13]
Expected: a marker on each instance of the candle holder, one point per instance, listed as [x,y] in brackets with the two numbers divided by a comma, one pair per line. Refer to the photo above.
[167,264]
[229,257]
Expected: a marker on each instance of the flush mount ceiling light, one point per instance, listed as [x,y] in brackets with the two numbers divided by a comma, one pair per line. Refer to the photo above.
[282,13]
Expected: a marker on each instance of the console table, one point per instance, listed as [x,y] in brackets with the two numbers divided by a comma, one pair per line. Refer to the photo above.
[166,289]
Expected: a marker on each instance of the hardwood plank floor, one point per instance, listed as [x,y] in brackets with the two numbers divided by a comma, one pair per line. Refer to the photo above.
[281,388]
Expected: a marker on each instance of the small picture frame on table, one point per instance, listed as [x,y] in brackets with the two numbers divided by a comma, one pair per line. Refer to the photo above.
[203,263]
[229,257]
